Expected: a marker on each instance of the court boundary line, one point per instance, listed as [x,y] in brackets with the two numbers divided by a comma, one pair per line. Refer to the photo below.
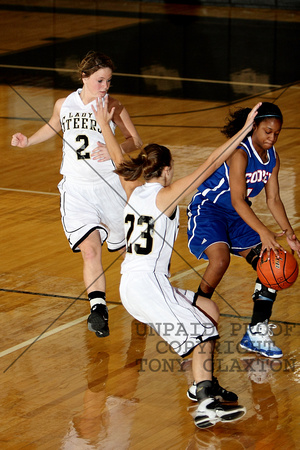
[57,194]
[83,318]
[150,77]
[47,334]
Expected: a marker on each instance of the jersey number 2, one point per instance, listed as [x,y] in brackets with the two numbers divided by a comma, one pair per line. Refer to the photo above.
[80,151]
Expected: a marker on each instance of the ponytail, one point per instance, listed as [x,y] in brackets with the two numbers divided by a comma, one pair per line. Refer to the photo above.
[149,163]
[132,168]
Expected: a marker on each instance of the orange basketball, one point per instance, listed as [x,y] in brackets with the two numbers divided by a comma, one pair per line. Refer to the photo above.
[277,273]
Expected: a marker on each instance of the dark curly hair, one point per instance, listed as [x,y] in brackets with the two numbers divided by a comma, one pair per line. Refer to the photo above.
[237,119]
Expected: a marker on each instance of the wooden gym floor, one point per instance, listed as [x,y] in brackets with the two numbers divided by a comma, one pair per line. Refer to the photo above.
[179,68]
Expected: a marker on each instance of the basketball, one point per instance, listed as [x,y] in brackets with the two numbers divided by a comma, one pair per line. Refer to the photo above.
[277,273]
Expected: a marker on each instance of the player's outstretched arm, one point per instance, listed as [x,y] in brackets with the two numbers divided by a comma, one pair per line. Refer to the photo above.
[123,121]
[172,195]
[103,117]
[277,208]
[46,132]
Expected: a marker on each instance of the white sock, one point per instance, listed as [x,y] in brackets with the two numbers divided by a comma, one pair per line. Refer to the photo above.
[97,301]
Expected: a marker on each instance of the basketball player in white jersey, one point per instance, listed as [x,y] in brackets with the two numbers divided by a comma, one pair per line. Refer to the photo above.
[92,198]
[151,222]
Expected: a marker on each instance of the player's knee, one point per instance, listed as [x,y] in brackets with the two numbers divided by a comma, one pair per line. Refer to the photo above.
[90,252]
[209,307]
[216,312]
[220,263]
[253,256]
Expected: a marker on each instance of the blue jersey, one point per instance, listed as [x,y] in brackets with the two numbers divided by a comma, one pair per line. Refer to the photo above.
[212,218]
[216,187]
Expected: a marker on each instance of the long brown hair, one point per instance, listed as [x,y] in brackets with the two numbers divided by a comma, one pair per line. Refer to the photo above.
[92,62]
[149,163]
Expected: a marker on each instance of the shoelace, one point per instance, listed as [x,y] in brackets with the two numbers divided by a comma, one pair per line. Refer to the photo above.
[266,329]
[263,332]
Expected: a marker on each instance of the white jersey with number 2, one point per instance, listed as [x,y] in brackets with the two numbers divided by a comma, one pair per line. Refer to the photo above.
[81,135]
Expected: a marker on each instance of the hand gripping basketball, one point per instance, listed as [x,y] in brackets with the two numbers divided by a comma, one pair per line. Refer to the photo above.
[277,273]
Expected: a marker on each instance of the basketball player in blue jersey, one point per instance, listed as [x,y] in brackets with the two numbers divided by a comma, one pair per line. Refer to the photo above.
[221,220]
[151,218]
[92,198]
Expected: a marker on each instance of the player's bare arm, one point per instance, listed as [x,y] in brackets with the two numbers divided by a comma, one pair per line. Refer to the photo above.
[169,197]
[46,132]
[103,117]
[278,211]
[123,121]
[237,182]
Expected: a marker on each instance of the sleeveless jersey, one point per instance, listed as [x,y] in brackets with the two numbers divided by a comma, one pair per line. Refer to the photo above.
[150,234]
[216,188]
[80,136]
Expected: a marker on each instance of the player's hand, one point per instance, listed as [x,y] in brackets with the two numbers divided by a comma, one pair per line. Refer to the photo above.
[103,116]
[251,116]
[19,140]
[100,153]
[293,243]
[268,241]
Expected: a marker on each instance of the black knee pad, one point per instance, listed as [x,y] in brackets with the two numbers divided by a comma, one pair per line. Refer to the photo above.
[202,294]
[262,292]
[253,256]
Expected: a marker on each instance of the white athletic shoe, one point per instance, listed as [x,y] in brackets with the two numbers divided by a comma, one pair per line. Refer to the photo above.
[257,339]
[210,411]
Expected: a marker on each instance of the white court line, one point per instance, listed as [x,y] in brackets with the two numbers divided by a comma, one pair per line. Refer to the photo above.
[155,77]
[81,319]
[295,226]
[188,272]
[54,193]
[30,192]
[47,334]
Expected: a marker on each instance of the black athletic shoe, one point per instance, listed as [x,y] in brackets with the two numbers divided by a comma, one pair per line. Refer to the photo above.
[217,391]
[98,320]
[210,411]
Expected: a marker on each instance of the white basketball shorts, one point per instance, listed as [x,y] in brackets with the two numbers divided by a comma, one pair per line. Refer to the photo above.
[93,206]
[151,299]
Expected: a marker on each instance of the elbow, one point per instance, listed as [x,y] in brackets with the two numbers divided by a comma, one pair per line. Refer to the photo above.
[138,142]
[132,143]
[236,203]
[275,200]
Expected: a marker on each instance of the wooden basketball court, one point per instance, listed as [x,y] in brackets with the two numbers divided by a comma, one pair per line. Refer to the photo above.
[61,387]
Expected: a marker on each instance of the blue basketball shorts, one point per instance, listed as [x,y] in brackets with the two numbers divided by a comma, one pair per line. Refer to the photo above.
[209,224]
